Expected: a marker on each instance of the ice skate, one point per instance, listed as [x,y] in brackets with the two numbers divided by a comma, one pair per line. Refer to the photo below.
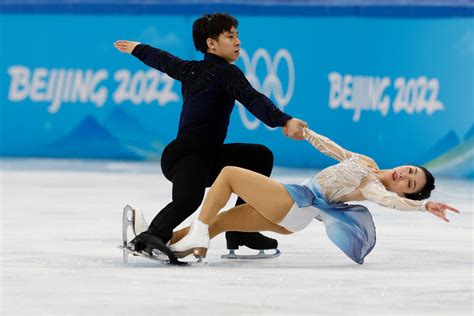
[150,246]
[254,241]
[143,244]
[196,242]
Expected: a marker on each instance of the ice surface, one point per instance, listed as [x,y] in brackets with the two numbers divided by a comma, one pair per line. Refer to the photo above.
[61,225]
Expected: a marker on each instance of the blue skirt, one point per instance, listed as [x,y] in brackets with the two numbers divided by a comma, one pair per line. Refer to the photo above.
[350,227]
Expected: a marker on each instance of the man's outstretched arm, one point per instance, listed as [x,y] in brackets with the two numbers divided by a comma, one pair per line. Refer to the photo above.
[154,57]
[236,84]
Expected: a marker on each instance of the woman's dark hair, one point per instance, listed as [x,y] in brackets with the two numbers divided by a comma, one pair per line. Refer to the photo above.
[425,191]
[210,26]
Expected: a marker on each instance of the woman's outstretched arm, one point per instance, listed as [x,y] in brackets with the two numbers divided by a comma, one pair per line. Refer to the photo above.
[375,191]
[332,149]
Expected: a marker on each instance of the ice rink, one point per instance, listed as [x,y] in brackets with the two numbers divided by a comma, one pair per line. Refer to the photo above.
[61,225]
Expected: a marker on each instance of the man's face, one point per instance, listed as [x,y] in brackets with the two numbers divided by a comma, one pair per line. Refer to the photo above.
[226,46]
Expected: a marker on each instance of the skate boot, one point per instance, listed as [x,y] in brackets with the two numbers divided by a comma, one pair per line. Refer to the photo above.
[255,241]
[153,247]
[196,242]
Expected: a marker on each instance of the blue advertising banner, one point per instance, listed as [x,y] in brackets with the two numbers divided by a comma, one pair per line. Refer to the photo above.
[398,90]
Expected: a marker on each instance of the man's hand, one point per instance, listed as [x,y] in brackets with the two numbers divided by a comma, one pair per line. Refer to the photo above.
[294,128]
[125,46]
[439,209]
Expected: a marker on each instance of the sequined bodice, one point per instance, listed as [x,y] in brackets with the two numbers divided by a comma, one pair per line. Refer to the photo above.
[341,179]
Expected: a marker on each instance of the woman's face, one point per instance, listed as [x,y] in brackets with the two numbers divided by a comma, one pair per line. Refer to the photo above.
[405,179]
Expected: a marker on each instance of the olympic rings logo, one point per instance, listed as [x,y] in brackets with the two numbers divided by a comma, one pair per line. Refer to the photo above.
[271,85]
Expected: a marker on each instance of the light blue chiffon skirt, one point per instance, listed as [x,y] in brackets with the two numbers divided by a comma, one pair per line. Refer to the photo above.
[350,227]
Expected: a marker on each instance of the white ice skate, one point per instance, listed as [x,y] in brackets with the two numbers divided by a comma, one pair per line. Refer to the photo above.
[195,242]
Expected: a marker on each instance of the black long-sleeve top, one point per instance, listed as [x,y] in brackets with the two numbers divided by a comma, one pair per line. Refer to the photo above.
[210,88]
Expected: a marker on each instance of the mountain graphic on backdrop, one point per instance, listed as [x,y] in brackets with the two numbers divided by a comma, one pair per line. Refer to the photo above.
[457,162]
[442,146]
[470,133]
[133,135]
[89,140]
[124,126]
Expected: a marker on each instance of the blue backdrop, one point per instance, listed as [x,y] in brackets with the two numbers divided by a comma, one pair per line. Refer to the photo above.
[397,89]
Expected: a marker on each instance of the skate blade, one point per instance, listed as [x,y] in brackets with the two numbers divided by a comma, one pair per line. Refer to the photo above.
[201,262]
[199,253]
[154,257]
[161,258]
[261,255]
[127,217]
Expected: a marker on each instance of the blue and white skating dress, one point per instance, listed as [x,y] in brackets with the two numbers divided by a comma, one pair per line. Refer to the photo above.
[349,226]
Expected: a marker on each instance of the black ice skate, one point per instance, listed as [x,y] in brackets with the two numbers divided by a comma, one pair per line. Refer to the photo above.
[253,241]
[144,244]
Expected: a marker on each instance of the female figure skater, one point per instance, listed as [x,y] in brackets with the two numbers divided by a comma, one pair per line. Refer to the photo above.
[288,208]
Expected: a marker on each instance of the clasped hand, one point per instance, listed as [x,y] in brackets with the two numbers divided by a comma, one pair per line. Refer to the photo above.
[294,128]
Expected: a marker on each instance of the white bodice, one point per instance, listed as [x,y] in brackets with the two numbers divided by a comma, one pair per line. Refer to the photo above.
[341,179]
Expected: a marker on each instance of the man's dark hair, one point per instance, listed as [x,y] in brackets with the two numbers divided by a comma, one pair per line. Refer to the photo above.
[425,191]
[210,26]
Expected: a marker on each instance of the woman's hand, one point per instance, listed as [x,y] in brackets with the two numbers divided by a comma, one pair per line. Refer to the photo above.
[294,128]
[125,46]
[439,209]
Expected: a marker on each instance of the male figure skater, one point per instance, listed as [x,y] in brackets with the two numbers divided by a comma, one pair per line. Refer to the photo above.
[194,159]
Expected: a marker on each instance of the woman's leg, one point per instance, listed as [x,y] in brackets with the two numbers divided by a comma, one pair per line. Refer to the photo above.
[242,218]
[177,235]
[253,157]
[267,196]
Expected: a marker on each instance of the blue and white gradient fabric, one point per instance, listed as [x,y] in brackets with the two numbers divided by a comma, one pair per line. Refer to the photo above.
[350,227]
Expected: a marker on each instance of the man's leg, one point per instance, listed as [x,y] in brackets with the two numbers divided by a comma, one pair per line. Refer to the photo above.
[254,157]
[257,158]
[189,176]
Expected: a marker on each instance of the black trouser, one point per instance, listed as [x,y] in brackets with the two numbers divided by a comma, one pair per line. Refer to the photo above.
[192,164]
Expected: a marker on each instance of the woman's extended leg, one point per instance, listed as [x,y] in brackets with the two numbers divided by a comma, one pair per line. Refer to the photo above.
[267,196]
[243,218]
